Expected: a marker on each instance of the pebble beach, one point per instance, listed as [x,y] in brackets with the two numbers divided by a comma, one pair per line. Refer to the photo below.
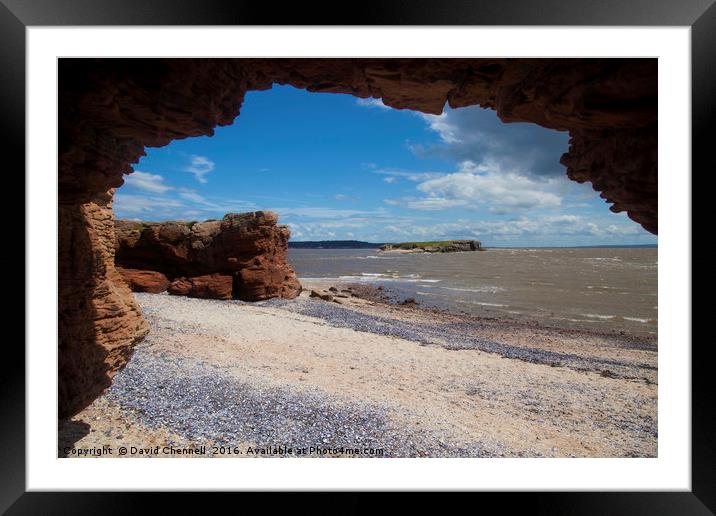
[360,377]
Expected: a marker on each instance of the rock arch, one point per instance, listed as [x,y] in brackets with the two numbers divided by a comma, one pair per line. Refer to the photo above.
[111,109]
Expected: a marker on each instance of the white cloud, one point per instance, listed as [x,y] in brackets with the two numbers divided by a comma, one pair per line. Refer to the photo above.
[192,196]
[476,185]
[393,175]
[146,181]
[426,204]
[340,197]
[128,205]
[522,230]
[448,131]
[372,103]
[200,166]
[321,212]
[384,226]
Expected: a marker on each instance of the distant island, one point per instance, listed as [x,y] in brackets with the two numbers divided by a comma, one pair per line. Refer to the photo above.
[332,244]
[440,246]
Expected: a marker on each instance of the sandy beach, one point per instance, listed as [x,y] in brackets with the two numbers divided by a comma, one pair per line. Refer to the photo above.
[359,377]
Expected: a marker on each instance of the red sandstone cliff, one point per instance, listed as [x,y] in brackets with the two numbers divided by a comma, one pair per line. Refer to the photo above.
[243,256]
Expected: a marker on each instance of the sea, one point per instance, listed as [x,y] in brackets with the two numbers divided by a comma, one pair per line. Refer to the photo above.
[601,288]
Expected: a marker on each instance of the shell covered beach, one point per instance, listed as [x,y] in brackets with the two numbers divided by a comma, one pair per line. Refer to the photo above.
[352,375]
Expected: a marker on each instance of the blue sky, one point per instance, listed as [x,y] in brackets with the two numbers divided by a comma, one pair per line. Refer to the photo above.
[336,167]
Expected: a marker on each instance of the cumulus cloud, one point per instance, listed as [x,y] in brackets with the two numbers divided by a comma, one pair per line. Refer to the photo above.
[478,135]
[200,166]
[146,181]
[477,185]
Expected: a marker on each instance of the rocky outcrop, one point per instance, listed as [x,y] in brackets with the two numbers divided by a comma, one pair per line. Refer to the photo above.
[243,256]
[99,322]
[111,109]
[144,281]
[447,246]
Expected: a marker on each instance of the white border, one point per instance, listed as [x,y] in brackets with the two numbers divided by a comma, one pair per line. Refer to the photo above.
[671,470]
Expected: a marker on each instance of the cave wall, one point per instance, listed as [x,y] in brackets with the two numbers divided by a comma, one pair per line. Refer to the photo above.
[99,322]
[111,109]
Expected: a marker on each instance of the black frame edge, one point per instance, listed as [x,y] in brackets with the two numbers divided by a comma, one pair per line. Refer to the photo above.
[703,109]
[386,12]
[12,122]
[700,14]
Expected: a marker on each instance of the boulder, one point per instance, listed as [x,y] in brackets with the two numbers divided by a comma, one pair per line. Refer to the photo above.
[144,281]
[209,286]
[322,295]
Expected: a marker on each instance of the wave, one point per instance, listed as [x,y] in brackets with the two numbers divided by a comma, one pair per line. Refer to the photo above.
[375,276]
[489,289]
[639,319]
[643,320]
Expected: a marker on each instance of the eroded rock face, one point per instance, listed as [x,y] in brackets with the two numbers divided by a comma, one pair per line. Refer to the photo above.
[99,322]
[243,256]
[111,109]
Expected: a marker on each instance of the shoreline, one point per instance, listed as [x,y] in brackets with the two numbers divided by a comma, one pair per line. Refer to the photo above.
[360,373]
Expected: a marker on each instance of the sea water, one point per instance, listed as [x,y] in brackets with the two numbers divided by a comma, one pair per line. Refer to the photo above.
[594,288]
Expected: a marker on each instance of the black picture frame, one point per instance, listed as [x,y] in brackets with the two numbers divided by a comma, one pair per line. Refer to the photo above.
[700,15]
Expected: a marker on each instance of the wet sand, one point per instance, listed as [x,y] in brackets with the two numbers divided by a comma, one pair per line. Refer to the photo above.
[359,377]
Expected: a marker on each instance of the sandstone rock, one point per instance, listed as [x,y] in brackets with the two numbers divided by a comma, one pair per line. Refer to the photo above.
[250,247]
[144,281]
[322,295]
[99,321]
[180,287]
[210,286]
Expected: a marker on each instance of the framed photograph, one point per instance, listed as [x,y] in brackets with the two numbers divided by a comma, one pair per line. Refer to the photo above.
[427,244]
